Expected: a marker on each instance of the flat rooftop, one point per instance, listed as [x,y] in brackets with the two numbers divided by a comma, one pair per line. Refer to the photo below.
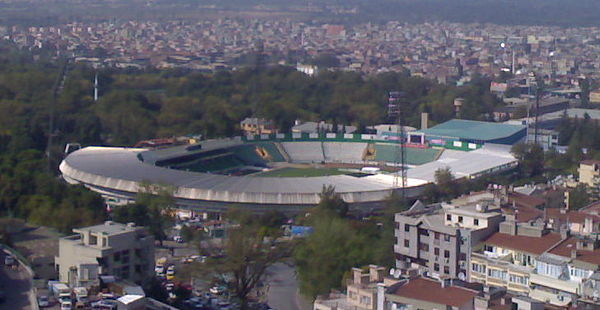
[473,130]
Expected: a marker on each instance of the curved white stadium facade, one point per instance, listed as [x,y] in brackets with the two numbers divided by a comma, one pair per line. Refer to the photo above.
[117,174]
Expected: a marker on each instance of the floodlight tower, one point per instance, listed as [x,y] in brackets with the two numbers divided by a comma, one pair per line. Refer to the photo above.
[396,114]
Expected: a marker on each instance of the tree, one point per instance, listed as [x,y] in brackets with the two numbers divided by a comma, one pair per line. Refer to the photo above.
[446,184]
[531,158]
[579,197]
[331,203]
[330,251]
[151,210]
[247,258]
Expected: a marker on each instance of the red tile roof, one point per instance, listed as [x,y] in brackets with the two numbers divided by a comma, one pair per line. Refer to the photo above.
[432,291]
[564,249]
[523,214]
[525,200]
[590,162]
[533,245]
[571,216]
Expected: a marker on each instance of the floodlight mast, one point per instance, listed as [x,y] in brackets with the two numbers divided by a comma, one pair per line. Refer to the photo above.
[396,103]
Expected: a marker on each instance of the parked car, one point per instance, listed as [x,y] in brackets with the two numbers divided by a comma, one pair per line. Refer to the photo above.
[178,239]
[104,305]
[9,260]
[43,301]
[217,290]
[159,269]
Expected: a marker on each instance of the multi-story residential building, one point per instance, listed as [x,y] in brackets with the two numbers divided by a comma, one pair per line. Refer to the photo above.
[439,238]
[361,291]
[122,250]
[507,258]
[429,294]
[254,126]
[561,274]
[589,171]
[527,258]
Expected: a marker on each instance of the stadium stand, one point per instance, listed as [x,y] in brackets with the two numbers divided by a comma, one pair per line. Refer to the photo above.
[386,152]
[304,152]
[270,151]
[343,152]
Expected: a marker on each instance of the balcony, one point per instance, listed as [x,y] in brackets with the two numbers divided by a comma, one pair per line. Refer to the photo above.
[561,285]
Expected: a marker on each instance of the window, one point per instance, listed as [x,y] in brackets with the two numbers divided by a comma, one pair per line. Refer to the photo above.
[406,227]
[446,254]
[518,279]
[579,273]
[125,272]
[138,268]
[447,238]
[436,251]
[117,257]
[436,235]
[476,222]
[436,267]
[365,300]
[424,247]
[423,232]
[397,225]
[449,217]
[460,219]
[406,243]
[478,268]
[498,274]
[446,270]
[93,240]
[125,257]
[488,248]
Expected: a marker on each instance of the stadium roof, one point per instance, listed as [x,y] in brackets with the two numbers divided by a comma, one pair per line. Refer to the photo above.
[473,130]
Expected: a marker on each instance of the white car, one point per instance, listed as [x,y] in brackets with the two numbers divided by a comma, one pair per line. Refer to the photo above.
[66,305]
[43,301]
[217,290]
[9,260]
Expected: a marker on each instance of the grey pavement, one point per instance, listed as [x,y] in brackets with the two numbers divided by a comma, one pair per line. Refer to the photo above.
[283,289]
[16,284]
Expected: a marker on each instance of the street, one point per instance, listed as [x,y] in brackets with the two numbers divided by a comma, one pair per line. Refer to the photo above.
[283,289]
[16,285]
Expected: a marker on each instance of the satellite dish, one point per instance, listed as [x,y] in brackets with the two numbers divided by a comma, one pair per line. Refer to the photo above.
[462,276]
[397,274]
[392,270]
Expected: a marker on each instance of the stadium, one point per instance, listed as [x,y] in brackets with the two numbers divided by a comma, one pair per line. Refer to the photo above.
[287,172]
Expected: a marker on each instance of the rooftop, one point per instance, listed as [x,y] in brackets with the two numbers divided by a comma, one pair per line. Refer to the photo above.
[473,130]
[564,249]
[533,245]
[432,291]
[108,228]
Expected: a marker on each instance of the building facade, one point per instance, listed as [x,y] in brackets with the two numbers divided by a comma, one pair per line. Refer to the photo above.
[438,239]
[122,250]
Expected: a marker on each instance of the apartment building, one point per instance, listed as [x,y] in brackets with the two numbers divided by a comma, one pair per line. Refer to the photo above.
[122,250]
[438,239]
[429,294]
[257,126]
[528,258]
[507,258]
[589,171]
[361,291]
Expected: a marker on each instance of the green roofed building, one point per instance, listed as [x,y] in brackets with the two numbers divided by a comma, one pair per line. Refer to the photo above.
[474,132]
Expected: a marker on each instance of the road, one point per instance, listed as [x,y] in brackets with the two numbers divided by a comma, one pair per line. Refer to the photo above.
[16,284]
[283,289]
